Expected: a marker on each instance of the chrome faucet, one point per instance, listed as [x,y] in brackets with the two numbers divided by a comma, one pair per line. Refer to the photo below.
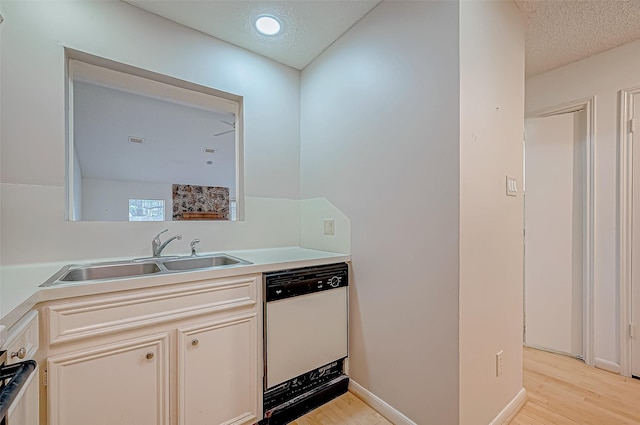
[193,246]
[157,246]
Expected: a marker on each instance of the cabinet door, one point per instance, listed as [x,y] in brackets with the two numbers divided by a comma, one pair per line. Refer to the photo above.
[123,383]
[218,372]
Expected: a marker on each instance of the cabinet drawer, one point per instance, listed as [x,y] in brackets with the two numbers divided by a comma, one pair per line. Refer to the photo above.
[22,343]
[107,314]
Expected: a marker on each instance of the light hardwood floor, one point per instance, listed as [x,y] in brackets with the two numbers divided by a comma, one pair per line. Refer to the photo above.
[344,410]
[560,390]
[564,391]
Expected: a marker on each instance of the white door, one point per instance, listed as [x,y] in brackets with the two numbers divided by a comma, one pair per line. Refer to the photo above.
[635,246]
[553,281]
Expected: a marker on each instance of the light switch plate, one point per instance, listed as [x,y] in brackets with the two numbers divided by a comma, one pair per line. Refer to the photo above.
[329,225]
[512,186]
[499,362]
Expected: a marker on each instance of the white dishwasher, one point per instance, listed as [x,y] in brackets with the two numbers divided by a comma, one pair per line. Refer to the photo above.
[306,339]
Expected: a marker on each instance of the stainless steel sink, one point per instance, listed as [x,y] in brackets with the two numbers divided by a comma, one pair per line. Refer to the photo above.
[140,267]
[197,263]
[109,271]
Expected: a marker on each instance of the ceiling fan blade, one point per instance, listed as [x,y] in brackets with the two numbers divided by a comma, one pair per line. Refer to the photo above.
[224,132]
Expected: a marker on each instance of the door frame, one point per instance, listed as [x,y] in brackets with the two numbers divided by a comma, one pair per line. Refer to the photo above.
[625,218]
[586,104]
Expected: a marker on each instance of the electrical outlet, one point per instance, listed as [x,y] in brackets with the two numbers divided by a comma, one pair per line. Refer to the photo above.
[499,362]
[329,226]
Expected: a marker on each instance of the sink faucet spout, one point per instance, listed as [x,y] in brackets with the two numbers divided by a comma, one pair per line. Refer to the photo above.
[157,246]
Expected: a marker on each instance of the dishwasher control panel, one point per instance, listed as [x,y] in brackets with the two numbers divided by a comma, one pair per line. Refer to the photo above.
[295,282]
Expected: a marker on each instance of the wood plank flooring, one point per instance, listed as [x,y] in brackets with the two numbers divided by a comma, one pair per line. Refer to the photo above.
[344,410]
[564,391]
[560,391]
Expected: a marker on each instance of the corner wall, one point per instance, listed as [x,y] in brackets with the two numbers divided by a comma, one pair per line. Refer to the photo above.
[1,126]
[380,140]
[491,223]
[602,76]
[34,35]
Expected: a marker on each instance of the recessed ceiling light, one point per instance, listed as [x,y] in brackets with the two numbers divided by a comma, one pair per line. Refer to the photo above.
[267,25]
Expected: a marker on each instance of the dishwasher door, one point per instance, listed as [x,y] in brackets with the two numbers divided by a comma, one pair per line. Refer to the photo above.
[305,332]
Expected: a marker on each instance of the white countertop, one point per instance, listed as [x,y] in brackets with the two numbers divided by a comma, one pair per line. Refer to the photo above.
[20,288]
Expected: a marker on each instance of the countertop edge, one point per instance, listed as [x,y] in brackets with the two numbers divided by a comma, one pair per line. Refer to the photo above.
[263,260]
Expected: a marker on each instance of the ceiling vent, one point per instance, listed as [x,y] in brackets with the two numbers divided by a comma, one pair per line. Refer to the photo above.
[136,140]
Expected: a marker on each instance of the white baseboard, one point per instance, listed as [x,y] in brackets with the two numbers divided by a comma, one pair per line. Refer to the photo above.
[607,365]
[379,405]
[511,410]
[397,418]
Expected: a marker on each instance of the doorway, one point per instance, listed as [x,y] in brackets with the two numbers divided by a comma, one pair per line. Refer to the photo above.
[629,228]
[558,230]
[635,247]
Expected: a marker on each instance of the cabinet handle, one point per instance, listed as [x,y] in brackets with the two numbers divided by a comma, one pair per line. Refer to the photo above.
[194,341]
[21,353]
[149,355]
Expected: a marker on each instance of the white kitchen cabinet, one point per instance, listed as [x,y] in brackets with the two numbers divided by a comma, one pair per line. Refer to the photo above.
[218,380]
[186,354]
[124,383]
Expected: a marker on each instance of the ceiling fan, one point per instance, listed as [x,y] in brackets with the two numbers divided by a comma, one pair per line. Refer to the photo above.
[232,125]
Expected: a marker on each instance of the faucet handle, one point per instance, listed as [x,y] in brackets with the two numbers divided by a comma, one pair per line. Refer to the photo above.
[193,246]
[158,235]
[155,243]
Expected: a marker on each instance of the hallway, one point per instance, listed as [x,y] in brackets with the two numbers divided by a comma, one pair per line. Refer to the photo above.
[564,391]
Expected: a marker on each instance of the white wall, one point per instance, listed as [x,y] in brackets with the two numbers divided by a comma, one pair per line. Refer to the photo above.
[491,129]
[1,137]
[108,200]
[34,35]
[175,137]
[602,75]
[382,128]
[380,138]
[313,213]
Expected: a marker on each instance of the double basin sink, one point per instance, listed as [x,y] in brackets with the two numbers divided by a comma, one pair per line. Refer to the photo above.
[141,267]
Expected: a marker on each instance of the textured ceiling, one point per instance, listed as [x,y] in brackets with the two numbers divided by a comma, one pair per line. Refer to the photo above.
[561,32]
[558,31]
[308,26]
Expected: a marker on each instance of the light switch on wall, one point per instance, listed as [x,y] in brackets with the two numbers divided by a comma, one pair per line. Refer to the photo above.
[499,362]
[512,186]
[329,226]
